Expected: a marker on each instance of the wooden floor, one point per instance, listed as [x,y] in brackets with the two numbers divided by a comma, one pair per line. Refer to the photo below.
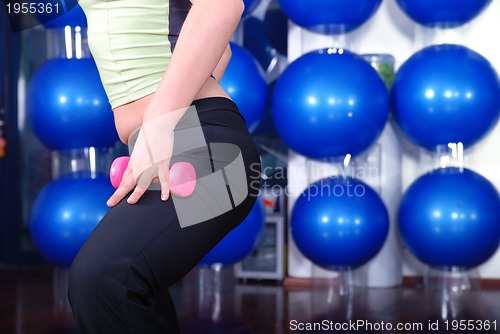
[33,301]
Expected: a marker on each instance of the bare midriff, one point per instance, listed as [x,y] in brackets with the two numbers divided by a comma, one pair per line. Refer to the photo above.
[128,117]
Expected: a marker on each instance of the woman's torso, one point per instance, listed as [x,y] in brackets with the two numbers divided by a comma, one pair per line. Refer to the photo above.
[132,42]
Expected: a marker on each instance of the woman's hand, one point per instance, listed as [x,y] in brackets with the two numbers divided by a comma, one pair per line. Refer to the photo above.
[142,170]
[150,158]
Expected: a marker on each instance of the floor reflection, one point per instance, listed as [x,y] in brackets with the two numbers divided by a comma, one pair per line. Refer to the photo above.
[32,301]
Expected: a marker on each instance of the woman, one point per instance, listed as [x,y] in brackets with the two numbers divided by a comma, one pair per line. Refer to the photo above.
[119,279]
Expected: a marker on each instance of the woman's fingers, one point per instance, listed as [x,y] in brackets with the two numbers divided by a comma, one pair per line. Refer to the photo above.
[136,195]
[126,185]
[129,183]
[143,184]
[163,176]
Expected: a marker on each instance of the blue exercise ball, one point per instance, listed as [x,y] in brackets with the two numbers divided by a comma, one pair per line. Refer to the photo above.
[64,214]
[339,223]
[240,242]
[446,94]
[276,29]
[255,41]
[250,6]
[329,103]
[442,13]
[68,107]
[451,218]
[329,16]
[266,129]
[55,15]
[244,82]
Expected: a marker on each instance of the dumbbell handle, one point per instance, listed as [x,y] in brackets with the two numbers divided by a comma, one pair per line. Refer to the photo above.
[182,176]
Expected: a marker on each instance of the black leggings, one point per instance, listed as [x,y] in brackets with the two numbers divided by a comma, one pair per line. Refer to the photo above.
[118,281]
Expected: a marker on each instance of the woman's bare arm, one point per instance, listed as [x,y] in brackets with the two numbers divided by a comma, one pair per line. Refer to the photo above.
[202,42]
[222,65]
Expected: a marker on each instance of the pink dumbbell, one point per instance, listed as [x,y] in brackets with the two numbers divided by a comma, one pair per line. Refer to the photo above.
[182,177]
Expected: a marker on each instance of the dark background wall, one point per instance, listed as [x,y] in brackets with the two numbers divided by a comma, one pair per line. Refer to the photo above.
[12,231]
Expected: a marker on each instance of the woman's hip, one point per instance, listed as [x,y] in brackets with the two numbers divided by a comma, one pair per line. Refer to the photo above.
[212,136]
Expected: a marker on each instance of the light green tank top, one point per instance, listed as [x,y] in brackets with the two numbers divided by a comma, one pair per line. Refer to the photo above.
[132,43]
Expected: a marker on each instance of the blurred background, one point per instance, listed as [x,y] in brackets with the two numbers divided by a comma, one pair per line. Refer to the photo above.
[377,125]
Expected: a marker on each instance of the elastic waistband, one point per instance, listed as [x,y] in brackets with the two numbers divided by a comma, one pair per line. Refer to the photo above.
[219,111]
[216,103]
